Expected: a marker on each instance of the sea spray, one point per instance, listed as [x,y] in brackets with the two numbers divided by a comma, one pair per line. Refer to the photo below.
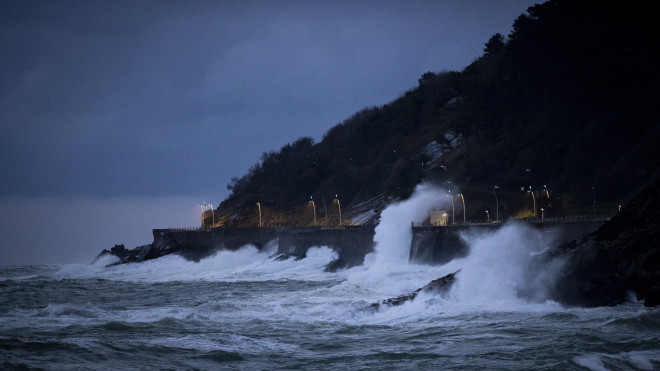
[245,264]
[386,271]
[497,273]
[501,272]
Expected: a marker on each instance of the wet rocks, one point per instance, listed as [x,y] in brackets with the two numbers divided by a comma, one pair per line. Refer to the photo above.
[441,285]
[619,259]
[136,255]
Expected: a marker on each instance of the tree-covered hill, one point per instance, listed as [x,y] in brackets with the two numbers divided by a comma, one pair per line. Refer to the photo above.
[565,104]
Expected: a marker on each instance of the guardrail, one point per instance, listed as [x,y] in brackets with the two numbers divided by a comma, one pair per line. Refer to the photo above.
[563,219]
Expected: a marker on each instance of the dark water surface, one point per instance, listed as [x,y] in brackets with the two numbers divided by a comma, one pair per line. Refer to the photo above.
[244,310]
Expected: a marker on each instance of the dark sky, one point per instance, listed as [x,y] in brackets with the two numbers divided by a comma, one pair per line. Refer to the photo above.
[148,99]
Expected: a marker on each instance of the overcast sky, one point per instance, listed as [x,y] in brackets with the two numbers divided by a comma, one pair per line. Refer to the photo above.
[118,102]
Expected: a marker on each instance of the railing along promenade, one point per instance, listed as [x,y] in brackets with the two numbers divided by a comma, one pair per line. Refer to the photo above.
[208,228]
[528,220]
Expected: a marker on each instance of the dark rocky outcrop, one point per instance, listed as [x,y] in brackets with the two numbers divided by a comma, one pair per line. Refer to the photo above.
[437,286]
[620,258]
[136,255]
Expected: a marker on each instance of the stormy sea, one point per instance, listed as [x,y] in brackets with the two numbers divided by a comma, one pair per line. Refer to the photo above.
[249,309]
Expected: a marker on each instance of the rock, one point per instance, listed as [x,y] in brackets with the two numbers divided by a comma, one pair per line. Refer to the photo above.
[620,258]
[138,254]
[437,286]
[336,264]
[118,251]
[283,257]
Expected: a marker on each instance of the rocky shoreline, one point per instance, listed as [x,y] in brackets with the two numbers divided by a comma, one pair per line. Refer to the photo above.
[620,259]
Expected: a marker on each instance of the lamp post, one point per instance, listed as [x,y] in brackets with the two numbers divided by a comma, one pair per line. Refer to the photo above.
[314,207]
[497,205]
[339,205]
[541,214]
[452,207]
[533,199]
[487,217]
[463,199]
[259,206]
[210,206]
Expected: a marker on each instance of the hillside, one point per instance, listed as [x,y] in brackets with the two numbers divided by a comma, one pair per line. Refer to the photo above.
[564,104]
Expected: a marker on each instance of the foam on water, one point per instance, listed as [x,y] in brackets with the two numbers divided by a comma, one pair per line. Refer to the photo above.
[245,264]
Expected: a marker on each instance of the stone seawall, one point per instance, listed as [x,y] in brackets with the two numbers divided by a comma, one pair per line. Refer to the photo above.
[351,243]
[439,245]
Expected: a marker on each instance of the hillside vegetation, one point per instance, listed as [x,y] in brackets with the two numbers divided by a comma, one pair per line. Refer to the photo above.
[565,104]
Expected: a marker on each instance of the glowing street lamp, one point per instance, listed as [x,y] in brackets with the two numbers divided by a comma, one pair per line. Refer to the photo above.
[463,199]
[452,207]
[203,208]
[533,199]
[339,205]
[487,216]
[210,206]
[314,207]
[259,206]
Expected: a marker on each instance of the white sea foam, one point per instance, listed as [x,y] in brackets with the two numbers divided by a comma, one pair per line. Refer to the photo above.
[497,268]
[591,362]
[640,362]
[245,264]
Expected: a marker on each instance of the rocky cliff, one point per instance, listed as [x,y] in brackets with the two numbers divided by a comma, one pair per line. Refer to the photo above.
[619,259]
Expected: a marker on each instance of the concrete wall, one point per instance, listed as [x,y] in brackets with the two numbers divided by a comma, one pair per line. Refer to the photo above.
[429,245]
[439,245]
[350,243]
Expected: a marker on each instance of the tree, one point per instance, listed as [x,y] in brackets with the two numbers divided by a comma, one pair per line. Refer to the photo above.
[494,44]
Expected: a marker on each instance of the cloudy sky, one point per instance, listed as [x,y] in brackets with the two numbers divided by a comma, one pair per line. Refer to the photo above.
[121,116]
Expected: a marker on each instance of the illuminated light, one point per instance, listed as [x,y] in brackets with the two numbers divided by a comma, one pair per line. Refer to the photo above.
[463,199]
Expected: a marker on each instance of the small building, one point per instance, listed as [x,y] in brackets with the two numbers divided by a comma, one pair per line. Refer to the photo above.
[438,218]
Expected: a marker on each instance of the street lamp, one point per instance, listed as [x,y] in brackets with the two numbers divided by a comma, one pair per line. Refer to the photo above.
[212,214]
[339,205]
[202,207]
[314,207]
[259,206]
[533,199]
[541,214]
[497,206]
[463,199]
[487,216]
[452,208]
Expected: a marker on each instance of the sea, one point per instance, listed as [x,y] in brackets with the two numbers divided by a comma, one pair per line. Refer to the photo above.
[252,310]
